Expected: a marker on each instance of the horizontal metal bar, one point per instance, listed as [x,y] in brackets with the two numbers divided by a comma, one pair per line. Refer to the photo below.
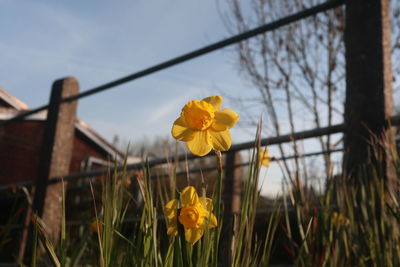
[291,137]
[209,169]
[234,148]
[200,170]
[395,120]
[16,185]
[248,163]
[269,209]
[194,54]
[12,196]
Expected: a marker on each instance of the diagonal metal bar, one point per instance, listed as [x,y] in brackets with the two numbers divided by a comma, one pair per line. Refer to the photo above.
[191,55]
[25,114]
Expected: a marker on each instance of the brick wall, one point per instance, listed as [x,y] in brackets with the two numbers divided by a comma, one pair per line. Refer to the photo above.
[20,147]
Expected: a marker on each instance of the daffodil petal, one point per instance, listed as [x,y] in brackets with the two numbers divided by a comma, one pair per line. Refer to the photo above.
[171,208]
[218,127]
[215,101]
[264,157]
[207,203]
[213,221]
[226,117]
[189,196]
[172,229]
[193,235]
[221,140]
[181,131]
[265,162]
[208,216]
[200,144]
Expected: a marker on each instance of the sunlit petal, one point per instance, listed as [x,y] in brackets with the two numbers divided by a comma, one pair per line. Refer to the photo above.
[213,221]
[208,217]
[189,196]
[225,117]
[215,100]
[221,140]
[264,157]
[170,209]
[207,203]
[180,130]
[218,127]
[192,235]
[200,145]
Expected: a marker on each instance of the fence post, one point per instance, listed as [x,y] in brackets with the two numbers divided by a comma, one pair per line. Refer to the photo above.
[369,102]
[232,200]
[56,155]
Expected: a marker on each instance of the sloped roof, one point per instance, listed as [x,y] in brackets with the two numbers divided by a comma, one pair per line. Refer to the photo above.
[11,106]
[97,138]
[10,101]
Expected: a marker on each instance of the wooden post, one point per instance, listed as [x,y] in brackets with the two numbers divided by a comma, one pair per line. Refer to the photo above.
[55,156]
[232,200]
[369,102]
[232,184]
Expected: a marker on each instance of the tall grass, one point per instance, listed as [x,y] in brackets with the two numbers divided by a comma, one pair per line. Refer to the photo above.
[345,225]
[354,222]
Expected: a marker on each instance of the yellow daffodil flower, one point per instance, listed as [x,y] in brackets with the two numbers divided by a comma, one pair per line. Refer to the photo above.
[195,214]
[204,126]
[339,220]
[95,226]
[264,157]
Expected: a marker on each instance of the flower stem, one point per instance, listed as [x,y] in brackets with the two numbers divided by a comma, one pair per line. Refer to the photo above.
[217,198]
[218,188]
[184,246]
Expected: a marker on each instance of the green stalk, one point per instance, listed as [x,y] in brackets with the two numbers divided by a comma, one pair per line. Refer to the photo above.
[63,227]
[186,259]
[218,213]
[34,246]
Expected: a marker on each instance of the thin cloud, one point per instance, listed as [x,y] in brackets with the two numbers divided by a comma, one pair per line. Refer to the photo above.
[171,106]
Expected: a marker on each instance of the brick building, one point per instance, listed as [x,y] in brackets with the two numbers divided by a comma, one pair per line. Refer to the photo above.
[21,142]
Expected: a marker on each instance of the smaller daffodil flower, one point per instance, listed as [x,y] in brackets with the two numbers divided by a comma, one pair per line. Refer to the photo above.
[264,157]
[194,214]
[204,126]
[95,226]
[339,220]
